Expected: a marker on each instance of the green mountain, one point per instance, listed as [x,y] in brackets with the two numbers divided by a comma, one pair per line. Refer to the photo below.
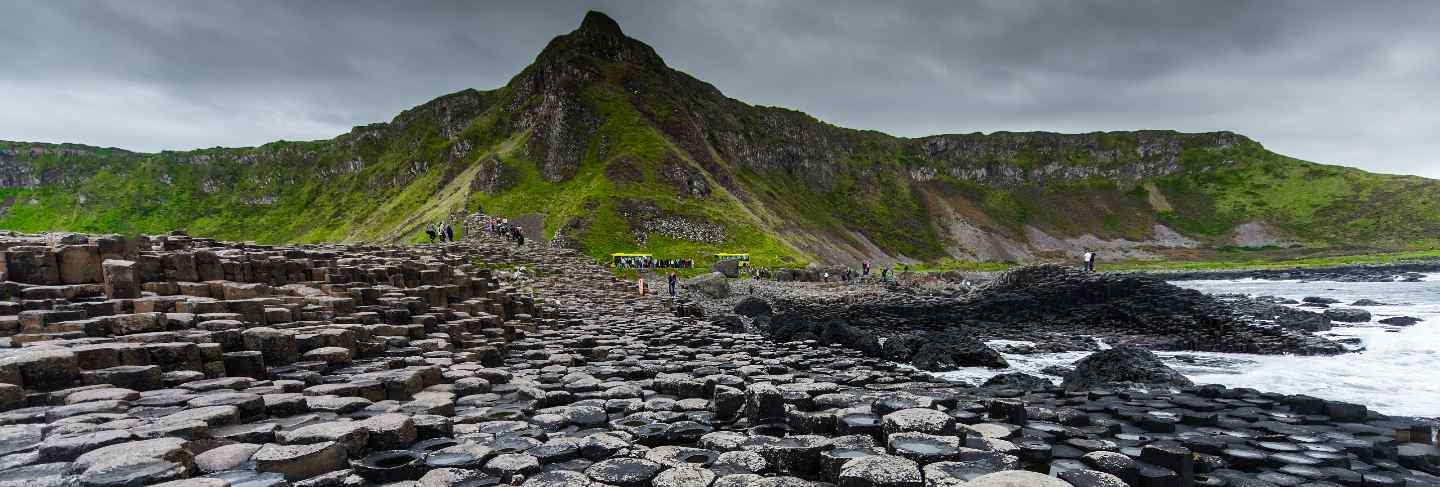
[614,151]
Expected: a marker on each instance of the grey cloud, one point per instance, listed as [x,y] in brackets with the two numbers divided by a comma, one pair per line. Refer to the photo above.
[1329,81]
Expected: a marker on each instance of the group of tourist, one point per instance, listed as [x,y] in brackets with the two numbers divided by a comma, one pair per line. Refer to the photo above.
[443,231]
[646,262]
[501,227]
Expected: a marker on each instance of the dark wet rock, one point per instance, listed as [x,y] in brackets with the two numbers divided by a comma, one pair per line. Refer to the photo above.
[840,333]
[1400,321]
[1124,364]
[1018,380]
[1297,319]
[1348,315]
[950,352]
[1057,370]
[923,448]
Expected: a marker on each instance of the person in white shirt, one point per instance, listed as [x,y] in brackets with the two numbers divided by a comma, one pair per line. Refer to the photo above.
[1089,260]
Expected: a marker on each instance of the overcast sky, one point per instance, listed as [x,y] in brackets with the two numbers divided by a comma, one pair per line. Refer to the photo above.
[1343,82]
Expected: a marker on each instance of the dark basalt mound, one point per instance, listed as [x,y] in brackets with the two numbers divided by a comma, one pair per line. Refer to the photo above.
[1018,380]
[943,353]
[1123,365]
[936,352]
[1060,308]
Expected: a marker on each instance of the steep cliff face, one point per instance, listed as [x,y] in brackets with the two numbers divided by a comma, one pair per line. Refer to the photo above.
[614,151]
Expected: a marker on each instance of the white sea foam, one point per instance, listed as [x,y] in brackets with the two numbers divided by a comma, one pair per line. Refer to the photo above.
[1398,373]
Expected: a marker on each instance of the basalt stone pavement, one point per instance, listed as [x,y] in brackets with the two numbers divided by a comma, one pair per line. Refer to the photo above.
[181,361]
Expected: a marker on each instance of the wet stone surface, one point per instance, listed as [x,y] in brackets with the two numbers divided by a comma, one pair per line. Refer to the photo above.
[204,363]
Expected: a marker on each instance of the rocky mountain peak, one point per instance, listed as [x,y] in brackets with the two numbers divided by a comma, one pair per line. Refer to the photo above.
[599,24]
[599,36]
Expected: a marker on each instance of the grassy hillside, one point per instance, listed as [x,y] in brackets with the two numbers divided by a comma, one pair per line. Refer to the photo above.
[615,151]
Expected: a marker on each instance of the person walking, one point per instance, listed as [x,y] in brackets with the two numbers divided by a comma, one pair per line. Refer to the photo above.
[640,285]
[519,236]
[673,279]
[430,231]
[1089,260]
[449,232]
[865,269]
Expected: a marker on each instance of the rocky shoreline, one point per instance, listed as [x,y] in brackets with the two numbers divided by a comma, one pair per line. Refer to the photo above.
[182,361]
[1057,308]
[1404,271]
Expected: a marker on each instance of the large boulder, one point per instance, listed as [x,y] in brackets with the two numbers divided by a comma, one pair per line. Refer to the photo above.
[1401,321]
[728,268]
[1018,380]
[838,332]
[950,353]
[901,349]
[1300,319]
[712,285]
[1123,365]
[1348,315]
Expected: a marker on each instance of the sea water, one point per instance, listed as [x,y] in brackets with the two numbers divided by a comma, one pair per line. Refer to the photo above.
[1397,373]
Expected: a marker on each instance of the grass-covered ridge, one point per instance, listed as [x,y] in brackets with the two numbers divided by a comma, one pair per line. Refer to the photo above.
[617,152]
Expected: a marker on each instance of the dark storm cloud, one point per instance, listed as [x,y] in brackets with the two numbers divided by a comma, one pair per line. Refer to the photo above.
[1339,82]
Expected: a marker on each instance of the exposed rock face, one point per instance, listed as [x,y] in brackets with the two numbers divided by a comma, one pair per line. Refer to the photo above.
[493,177]
[1123,365]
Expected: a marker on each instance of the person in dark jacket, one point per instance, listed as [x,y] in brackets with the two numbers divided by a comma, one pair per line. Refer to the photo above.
[672,280]
[449,232]
[430,231]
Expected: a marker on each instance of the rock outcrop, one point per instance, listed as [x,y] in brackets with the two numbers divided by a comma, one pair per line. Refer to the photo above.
[1123,365]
